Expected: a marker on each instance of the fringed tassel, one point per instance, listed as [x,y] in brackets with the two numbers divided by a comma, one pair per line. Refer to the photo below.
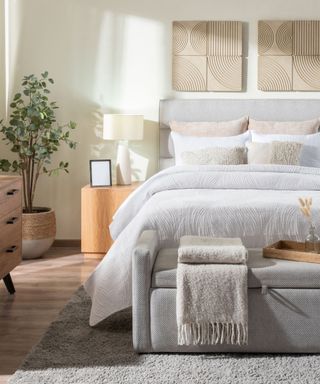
[212,333]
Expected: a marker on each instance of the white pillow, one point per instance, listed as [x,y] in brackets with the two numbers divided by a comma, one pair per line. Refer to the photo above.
[310,153]
[184,143]
[268,138]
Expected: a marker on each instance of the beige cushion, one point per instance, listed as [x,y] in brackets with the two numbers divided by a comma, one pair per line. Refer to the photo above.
[210,128]
[215,156]
[285,127]
[286,153]
[259,153]
[276,152]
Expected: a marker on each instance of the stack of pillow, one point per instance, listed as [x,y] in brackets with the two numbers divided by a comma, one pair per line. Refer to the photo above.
[247,141]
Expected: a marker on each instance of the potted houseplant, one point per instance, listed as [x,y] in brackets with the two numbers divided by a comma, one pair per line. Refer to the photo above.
[33,134]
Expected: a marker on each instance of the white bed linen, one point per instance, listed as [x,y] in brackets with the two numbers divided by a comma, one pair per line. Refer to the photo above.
[257,203]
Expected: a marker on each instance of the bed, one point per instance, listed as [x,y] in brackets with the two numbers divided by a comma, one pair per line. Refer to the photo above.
[257,203]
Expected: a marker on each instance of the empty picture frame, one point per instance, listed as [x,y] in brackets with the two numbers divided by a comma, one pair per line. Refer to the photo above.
[100,173]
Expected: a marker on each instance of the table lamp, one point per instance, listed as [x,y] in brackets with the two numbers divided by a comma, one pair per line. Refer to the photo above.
[123,128]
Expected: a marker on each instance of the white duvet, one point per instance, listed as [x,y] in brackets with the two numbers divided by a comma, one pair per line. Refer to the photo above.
[257,203]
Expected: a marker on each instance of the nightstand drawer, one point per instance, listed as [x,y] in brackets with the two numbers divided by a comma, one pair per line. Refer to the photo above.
[10,226]
[10,197]
[10,256]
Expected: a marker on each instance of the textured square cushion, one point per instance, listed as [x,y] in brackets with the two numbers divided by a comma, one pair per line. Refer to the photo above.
[285,127]
[276,152]
[215,156]
[285,153]
[184,143]
[210,128]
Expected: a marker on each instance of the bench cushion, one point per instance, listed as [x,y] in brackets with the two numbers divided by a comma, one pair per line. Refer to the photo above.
[262,271]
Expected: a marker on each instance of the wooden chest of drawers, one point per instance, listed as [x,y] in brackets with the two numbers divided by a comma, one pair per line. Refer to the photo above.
[10,224]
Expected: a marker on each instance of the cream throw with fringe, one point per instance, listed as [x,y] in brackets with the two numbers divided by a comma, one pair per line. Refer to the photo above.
[212,302]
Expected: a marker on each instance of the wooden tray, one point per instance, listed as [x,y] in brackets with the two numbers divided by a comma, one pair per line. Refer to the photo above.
[290,250]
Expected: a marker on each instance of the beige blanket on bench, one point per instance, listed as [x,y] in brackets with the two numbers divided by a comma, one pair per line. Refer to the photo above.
[212,304]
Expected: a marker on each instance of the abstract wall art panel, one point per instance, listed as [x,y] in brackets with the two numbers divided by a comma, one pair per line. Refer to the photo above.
[275,73]
[306,73]
[190,38]
[224,38]
[207,56]
[289,55]
[275,38]
[189,73]
[224,73]
[306,38]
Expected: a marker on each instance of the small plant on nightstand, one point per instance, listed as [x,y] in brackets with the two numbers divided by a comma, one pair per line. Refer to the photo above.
[33,134]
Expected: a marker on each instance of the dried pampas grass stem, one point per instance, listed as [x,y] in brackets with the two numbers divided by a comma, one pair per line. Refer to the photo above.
[305,207]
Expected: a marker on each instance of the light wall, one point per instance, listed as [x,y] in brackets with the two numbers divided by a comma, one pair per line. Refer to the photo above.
[115,56]
[2,60]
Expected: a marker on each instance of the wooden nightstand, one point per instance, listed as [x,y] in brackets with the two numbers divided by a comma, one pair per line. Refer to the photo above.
[98,205]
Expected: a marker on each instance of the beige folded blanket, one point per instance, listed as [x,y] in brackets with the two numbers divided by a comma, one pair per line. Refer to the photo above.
[212,303]
[202,250]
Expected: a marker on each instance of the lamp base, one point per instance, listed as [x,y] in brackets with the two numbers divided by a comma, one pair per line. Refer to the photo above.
[123,166]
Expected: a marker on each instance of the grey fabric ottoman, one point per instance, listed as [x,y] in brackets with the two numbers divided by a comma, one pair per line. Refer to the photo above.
[284,303]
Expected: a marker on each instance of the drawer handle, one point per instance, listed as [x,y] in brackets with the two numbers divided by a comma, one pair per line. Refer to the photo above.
[11,249]
[12,220]
[12,192]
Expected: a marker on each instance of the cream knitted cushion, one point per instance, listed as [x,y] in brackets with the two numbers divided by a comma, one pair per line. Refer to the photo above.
[215,156]
[286,153]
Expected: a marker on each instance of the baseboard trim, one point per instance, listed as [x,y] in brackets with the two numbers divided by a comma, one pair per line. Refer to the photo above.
[67,243]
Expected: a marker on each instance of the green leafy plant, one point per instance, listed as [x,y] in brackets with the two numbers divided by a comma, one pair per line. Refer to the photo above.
[34,135]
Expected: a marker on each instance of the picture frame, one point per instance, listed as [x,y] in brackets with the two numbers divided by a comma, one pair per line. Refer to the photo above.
[100,173]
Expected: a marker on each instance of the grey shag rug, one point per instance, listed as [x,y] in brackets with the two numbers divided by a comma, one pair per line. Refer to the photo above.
[72,352]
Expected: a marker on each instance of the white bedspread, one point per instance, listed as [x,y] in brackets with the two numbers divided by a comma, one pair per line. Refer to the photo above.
[256,203]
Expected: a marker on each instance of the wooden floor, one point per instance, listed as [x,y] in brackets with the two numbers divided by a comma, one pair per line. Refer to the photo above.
[43,287]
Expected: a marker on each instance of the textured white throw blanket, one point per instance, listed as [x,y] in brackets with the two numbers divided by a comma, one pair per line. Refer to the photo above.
[218,250]
[212,299]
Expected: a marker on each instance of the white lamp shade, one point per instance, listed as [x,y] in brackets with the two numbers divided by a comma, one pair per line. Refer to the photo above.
[122,127]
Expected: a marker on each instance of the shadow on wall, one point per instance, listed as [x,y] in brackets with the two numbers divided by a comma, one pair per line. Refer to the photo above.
[145,154]
[97,148]
[111,57]
[140,151]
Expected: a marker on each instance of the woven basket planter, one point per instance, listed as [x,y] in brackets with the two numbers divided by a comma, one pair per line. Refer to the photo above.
[38,232]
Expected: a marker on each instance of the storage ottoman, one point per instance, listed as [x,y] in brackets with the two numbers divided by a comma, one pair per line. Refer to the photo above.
[284,303]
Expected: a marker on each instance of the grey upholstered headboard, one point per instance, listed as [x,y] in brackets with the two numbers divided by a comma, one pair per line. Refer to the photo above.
[229,109]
